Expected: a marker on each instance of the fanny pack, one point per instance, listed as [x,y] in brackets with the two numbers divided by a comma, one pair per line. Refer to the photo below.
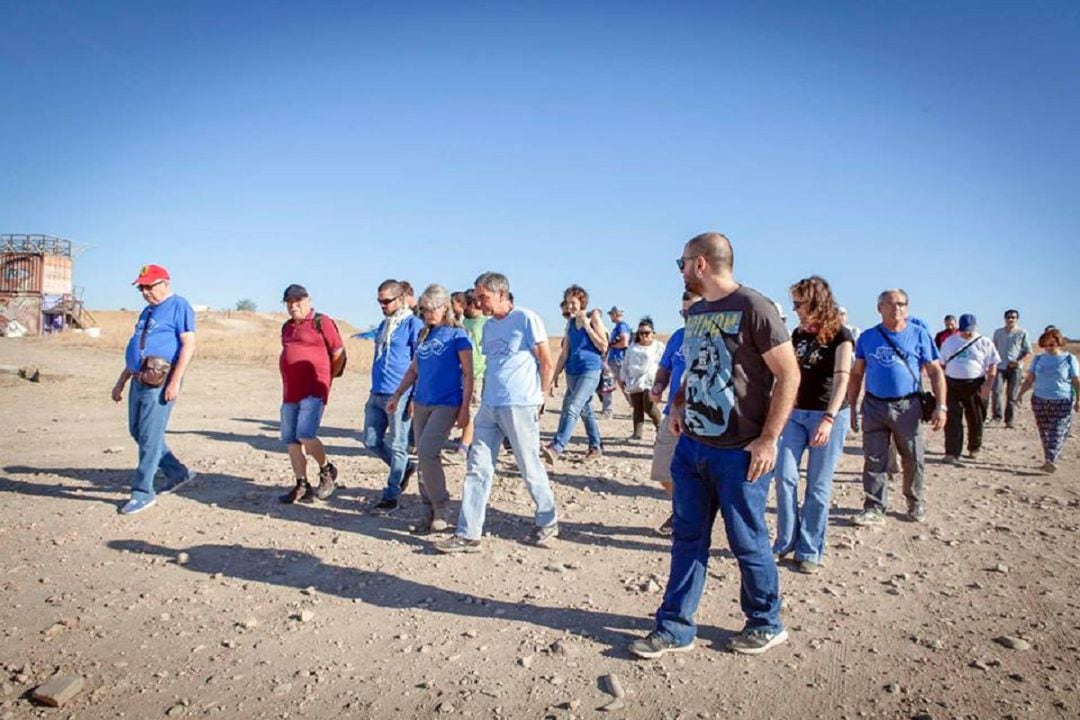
[154,370]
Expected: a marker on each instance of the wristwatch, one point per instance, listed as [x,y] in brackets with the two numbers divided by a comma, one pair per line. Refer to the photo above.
[943,408]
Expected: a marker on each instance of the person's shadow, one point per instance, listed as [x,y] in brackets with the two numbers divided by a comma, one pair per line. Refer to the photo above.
[296,569]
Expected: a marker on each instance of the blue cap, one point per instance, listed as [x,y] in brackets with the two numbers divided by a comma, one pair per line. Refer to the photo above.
[967,322]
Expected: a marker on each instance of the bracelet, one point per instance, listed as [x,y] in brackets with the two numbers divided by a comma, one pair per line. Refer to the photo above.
[828,419]
[830,416]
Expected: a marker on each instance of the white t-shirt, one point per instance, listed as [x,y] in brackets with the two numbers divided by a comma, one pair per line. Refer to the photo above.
[974,362]
[512,376]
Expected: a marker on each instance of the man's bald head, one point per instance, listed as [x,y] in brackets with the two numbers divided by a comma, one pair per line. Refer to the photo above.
[715,248]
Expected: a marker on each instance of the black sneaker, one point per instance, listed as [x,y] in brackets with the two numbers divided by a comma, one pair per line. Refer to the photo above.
[386,505]
[327,476]
[654,645]
[457,544]
[755,642]
[298,492]
[541,535]
[668,527]
[410,470]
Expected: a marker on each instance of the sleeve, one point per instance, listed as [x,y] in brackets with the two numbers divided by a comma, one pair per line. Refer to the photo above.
[928,351]
[860,347]
[462,341]
[669,352]
[331,335]
[992,356]
[1025,344]
[767,330]
[534,329]
[415,326]
[185,321]
[1074,367]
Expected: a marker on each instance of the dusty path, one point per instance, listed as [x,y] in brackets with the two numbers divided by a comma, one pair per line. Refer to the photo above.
[324,611]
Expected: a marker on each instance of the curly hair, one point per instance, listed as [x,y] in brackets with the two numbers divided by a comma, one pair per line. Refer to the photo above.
[821,306]
[578,292]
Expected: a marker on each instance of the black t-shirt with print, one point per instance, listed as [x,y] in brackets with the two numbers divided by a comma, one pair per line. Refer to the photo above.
[817,363]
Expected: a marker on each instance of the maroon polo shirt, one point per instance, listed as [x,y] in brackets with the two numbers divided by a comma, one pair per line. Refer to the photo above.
[305,358]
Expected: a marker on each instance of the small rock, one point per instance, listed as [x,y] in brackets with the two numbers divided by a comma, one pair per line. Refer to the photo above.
[250,624]
[616,704]
[1013,643]
[613,685]
[182,558]
[555,568]
[1000,568]
[978,665]
[892,688]
[563,648]
[116,450]
[58,690]
[525,661]
[306,616]
[309,590]
[175,710]
[445,708]
[651,586]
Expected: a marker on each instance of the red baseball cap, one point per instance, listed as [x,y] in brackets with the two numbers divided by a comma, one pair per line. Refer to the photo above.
[150,274]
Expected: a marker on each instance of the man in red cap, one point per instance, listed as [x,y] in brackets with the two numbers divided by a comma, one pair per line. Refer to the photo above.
[157,356]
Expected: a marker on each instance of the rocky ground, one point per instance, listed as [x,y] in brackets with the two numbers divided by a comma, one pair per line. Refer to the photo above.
[219,601]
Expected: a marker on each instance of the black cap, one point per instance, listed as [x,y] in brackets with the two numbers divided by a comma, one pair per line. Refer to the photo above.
[294,292]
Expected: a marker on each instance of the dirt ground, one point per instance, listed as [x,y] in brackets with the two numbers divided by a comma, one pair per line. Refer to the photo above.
[326,610]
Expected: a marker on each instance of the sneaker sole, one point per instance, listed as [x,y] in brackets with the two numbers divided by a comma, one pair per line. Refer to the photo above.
[778,639]
[147,506]
[458,550]
[658,653]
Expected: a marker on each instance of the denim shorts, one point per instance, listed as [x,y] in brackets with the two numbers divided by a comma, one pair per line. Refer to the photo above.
[300,421]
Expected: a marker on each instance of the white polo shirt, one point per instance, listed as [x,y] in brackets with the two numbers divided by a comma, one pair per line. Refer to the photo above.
[975,360]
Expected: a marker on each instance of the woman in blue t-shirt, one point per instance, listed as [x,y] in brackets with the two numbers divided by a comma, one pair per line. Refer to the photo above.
[443,373]
[1055,375]
[819,423]
[582,357]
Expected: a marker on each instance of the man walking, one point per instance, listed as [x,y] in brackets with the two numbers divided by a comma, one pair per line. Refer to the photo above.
[387,433]
[312,355]
[1013,346]
[947,332]
[970,361]
[157,357]
[890,356]
[738,388]
[618,342]
[519,373]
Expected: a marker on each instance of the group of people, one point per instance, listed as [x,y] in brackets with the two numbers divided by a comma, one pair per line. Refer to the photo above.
[746,400]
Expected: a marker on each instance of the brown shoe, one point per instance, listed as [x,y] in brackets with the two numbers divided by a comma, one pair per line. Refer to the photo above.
[302,489]
[327,476]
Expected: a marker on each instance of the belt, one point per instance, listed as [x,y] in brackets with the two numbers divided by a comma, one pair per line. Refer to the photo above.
[893,399]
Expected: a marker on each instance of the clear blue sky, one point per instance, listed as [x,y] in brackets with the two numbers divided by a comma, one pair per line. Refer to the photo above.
[932,146]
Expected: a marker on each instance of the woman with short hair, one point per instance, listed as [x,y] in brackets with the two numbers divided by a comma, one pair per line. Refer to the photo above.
[638,373]
[1055,377]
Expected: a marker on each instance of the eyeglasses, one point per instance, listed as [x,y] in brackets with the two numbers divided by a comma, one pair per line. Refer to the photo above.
[680,262]
[428,308]
[151,286]
[387,301]
[899,304]
[1012,317]
[796,304]
[644,332]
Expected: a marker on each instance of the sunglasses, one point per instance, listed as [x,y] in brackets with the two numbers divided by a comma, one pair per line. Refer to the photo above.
[645,332]
[680,262]
[387,301]
[1012,317]
[151,286]
[796,304]
[428,308]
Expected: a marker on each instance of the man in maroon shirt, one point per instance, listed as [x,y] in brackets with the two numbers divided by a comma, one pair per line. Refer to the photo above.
[948,332]
[312,354]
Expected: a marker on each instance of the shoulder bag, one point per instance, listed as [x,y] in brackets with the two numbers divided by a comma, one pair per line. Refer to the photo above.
[926,399]
[154,370]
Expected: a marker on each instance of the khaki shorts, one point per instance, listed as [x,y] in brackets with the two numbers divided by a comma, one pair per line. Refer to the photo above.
[663,451]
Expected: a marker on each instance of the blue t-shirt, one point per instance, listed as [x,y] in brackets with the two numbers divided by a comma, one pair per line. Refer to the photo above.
[617,354]
[582,356]
[394,355]
[674,361]
[513,373]
[886,375]
[168,320]
[438,366]
[1053,374]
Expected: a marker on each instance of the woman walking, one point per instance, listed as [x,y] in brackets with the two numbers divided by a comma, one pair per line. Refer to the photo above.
[819,423]
[638,373]
[582,357]
[1055,376]
[443,373]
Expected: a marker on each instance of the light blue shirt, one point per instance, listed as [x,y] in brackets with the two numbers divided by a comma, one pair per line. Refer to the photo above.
[167,320]
[886,374]
[1053,375]
[513,373]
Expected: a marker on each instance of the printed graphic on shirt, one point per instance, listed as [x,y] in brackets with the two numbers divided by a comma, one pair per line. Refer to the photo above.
[886,356]
[432,347]
[710,342]
[496,347]
[809,351]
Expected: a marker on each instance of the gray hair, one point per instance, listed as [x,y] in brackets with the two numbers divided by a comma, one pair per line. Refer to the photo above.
[886,293]
[437,296]
[493,282]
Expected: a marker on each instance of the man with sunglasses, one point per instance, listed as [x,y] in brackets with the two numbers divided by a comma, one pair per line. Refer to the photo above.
[1013,346]
[737,390]
[165,331]
[386,433]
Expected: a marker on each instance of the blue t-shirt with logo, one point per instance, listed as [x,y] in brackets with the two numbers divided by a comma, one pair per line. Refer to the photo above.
[617,354]
[1053,375]
[674,361]
[394,355]
[583,356]
[438,366]
[513,373]
[167,320]
[886,375]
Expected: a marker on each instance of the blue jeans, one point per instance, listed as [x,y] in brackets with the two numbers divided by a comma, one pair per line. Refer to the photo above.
[578,403]
[387,435]
[803,532]
[708,479]
[148,414]
[490,426]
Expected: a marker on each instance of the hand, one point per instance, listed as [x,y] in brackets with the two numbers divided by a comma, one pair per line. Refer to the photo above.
[118,392]
[391,405]
[539,411]
[675,420]
[762,458]
[854,423]
[408,410]
[822,433]
[656,395]
[172,391]
[462,419]
[1013,364]
[1076,406]
[938,421]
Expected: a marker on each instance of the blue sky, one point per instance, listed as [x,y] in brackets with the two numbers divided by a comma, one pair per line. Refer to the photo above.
[245,146]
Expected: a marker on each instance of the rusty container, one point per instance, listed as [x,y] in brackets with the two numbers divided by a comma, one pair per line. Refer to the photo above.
[21,273]
[56,275]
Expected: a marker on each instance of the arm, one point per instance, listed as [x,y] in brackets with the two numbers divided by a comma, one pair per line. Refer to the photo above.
[858,371]
[663,376]
[988,384]
[621,342]
[785,368]
[187,352]
[337,361]
[841,376]
[118,388]
[594,328]
[1029,382]
[1025,348]
[403,387]
[543,359]
[937,383]
[465,358]
[560,365]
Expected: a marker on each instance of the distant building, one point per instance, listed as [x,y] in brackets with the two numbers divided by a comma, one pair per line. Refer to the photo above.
[36,291]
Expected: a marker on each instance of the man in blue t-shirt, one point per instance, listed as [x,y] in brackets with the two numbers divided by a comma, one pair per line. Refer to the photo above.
[618,342]
[164,337]
[518,377]
[386,433]
[891,356]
